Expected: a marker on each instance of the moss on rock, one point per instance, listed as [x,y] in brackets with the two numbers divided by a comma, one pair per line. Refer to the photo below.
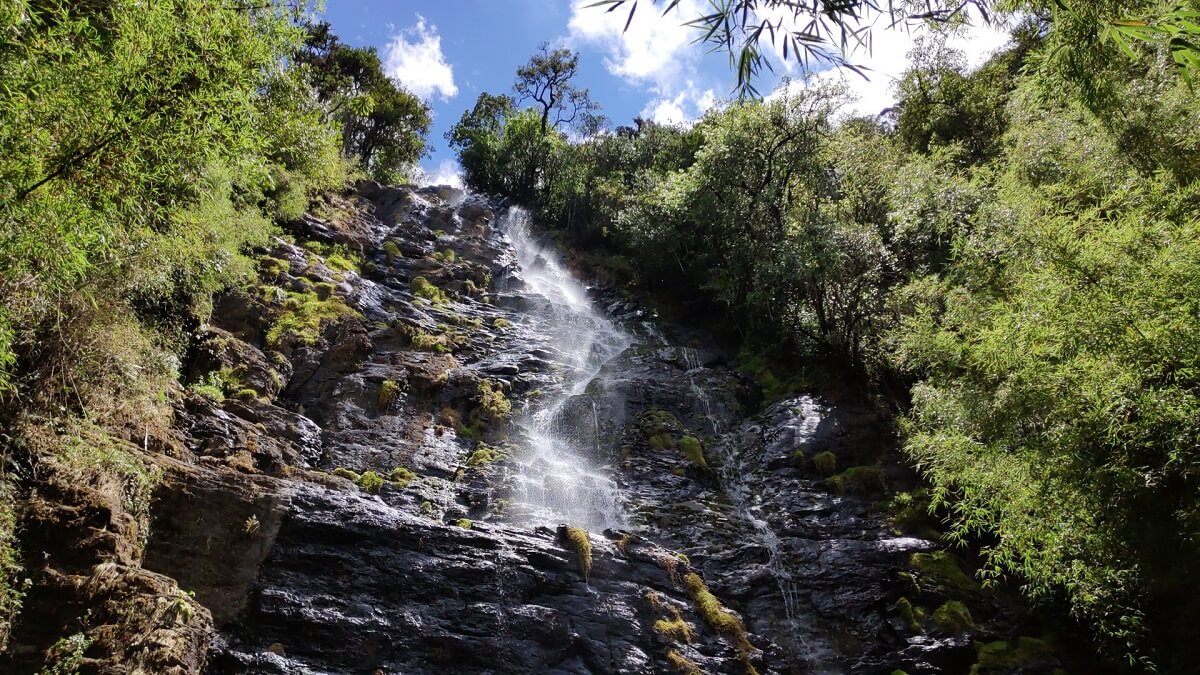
[683,664]
[943,569]
[1025,654]
[825,463]
[402,476]
[576,538]
[422,288]
[694,450]
[721,620]
[952,618]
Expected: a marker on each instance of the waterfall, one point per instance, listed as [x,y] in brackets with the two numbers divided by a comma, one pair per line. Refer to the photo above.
[561,475]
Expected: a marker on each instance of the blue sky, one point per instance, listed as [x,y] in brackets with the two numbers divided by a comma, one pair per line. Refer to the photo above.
[448,51]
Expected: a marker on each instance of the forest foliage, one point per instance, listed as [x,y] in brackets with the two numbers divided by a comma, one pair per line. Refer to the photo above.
[147,149]
[1016,245]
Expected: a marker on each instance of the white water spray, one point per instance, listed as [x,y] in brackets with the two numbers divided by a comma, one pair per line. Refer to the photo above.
[560,475]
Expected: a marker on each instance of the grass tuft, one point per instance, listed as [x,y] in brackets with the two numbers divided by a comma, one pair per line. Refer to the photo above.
[721,620]
[577,540]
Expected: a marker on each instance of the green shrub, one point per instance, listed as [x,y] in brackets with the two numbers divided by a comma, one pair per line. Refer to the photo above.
[343,472]
[207,389]
[464,523]
[11,590]
[501,324]
[65,657]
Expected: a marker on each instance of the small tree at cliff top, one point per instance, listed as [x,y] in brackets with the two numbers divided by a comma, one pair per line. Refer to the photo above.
[546,80]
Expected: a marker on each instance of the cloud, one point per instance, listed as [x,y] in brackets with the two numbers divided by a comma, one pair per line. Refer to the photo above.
[447,172]
[657,54]
[655,50]
[888,59]
[414,58]
[684,107]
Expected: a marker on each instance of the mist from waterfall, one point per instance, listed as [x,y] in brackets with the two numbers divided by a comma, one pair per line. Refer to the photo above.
[561,476]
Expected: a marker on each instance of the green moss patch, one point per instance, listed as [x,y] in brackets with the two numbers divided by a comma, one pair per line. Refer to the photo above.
[402,476]
[422,288]
[858,479]
[693,450]
[674,628]
[483,455]
[301,316]
[683,664]
[1026,654]
[721,620]
[943,569]
[908,615]
[952,618]
[576,538]
[825,463]
[389,391]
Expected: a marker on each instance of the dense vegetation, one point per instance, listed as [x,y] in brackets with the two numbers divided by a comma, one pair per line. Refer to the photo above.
[145,150]
[1016,245]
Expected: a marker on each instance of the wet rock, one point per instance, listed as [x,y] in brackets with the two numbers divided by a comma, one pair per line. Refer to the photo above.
[390,499]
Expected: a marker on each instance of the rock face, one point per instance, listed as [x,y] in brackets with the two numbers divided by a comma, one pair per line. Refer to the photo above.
[369,487]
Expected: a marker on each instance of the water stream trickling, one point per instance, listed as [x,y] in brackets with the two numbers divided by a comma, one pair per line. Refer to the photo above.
[561,475]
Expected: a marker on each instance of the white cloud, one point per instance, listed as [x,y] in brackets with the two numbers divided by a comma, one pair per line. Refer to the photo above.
[888,59]
[657,54]
[682,108]
[655,50]
[414,58]
[447,172]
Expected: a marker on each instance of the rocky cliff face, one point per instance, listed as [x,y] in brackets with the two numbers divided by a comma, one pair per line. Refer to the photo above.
[418,446]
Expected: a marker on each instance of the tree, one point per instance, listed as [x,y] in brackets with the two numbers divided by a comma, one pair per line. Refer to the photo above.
[383,125]
[546,80]
[477,139]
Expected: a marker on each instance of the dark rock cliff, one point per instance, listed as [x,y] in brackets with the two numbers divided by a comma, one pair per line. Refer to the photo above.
[363,498]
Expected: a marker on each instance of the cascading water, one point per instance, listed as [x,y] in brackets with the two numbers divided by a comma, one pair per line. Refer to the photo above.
[560,475]
[738,463]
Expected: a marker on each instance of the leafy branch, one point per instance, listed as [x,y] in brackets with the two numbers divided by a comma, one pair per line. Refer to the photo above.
[1178,29]
[812,32]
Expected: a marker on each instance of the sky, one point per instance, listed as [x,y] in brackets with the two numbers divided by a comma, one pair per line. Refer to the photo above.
[448,51]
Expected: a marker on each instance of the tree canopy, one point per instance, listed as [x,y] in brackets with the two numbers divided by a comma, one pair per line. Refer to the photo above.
[547,81]
[383,126]
[1010,252]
